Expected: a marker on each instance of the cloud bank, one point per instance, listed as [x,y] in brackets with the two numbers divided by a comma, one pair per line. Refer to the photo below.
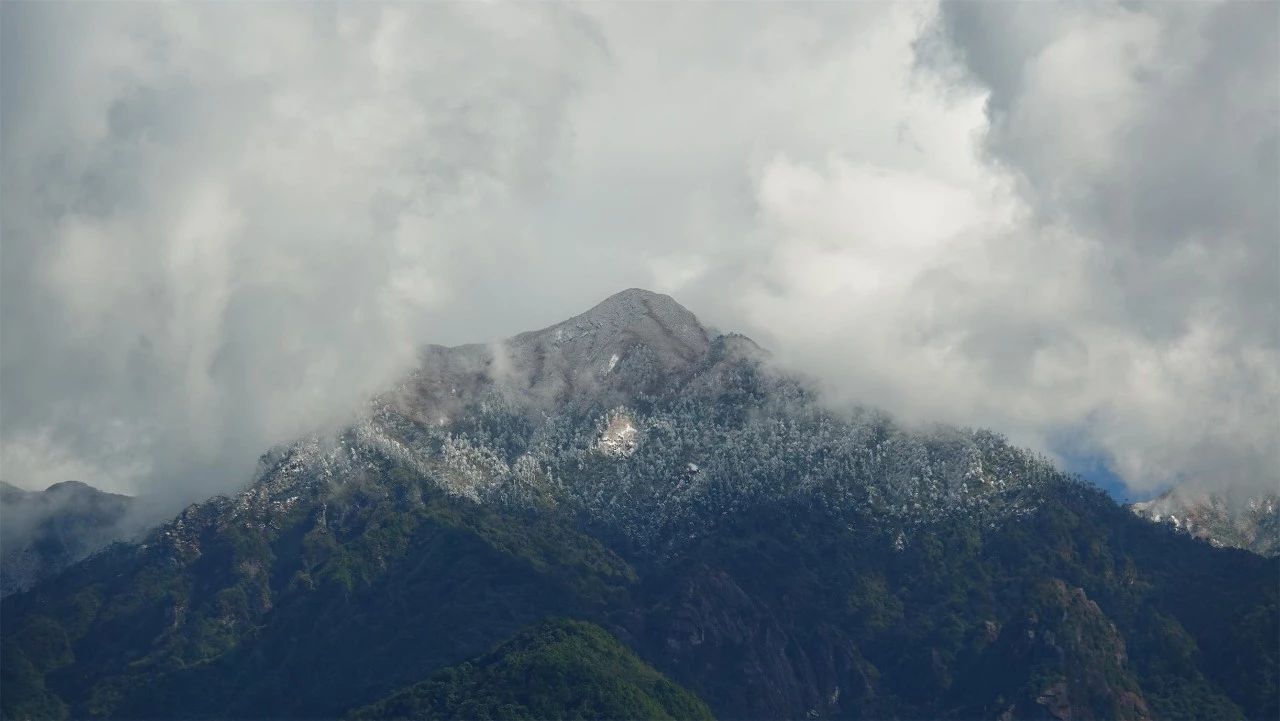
[221,223]
[225,226]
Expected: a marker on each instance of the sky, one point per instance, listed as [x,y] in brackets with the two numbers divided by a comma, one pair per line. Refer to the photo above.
[223,226]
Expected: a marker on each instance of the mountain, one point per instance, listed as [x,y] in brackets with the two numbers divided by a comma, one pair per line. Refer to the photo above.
[1252,523]
[630,469]
[559,669]
[43,532]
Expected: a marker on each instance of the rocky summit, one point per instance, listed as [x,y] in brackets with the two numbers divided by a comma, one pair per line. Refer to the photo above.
[589,354]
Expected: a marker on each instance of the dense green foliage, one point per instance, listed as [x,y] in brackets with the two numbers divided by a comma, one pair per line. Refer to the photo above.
[968,624]
[376,587]
[556,670]
[786,610]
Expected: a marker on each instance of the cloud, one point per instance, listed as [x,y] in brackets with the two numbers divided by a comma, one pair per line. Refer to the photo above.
[1056,220]
[1120,283]
[220,234]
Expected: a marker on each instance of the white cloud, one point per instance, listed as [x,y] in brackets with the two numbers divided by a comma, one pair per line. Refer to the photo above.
[222,234]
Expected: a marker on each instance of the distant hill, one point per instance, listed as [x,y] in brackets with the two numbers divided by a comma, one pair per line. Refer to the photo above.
[42,532]
[1251,523]
[558,669]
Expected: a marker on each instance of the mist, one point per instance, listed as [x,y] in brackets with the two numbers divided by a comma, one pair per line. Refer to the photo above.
[225,227]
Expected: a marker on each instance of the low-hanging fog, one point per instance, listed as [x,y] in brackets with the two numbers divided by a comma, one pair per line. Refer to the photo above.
[227,225]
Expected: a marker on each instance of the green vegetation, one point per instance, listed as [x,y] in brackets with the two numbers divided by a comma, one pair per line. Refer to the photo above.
[375,586]
[556,670]
[789,604]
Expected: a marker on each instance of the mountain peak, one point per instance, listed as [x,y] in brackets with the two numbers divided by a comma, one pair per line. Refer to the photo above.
[631,305]
[632,316]
[636,297]
[70,487]
[614,327]
[634,293]
[620,347]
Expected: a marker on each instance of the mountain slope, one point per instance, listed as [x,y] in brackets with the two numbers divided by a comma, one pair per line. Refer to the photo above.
[787,611]
[777,558]
[356,591]
[556,670]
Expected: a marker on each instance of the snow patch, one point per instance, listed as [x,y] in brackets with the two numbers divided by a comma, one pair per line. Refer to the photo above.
[620,435]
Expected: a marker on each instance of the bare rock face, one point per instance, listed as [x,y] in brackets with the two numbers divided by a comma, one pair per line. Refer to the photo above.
[627,344]
[1250,523]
